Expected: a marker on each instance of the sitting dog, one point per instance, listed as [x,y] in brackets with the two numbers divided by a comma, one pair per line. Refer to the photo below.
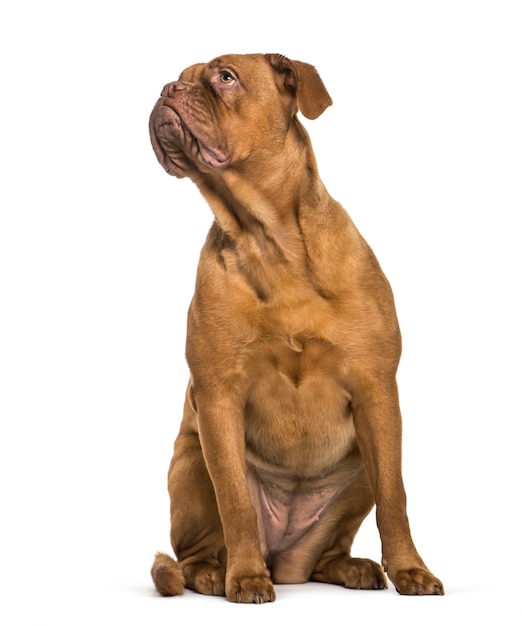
[291,429]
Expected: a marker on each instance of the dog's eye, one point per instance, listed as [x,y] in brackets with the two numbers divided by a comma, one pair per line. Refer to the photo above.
[227,78]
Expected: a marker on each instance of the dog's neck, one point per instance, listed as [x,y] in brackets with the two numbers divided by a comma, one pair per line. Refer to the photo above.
[289,225]
[251,200]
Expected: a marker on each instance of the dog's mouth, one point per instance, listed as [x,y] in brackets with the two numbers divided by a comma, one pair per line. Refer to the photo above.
[178,147]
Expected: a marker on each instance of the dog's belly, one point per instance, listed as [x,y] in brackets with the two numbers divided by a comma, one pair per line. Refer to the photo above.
[286,514]
[300,439]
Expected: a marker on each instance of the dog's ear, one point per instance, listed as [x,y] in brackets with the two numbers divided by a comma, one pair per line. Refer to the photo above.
[304,83]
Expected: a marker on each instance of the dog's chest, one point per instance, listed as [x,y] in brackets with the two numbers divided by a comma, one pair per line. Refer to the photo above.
[298,414]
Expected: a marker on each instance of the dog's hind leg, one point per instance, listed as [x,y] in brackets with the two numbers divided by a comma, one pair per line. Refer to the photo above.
[196,530]
[196,533]
[336,565]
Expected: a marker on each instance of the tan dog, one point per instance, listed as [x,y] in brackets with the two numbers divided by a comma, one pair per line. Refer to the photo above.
[291,430]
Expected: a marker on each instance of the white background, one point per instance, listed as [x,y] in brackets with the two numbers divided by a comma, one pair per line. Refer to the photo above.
[98,250]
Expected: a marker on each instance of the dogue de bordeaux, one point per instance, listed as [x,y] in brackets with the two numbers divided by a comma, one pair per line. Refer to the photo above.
[291,430]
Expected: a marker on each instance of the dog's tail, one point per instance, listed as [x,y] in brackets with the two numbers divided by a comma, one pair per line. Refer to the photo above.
[167,575]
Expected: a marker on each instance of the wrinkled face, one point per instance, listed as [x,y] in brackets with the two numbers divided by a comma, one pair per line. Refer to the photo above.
[218,114]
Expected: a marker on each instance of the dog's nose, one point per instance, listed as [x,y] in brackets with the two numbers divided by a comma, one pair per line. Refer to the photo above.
[171,88]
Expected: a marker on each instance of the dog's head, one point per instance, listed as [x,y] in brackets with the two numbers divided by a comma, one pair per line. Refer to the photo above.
[223,113]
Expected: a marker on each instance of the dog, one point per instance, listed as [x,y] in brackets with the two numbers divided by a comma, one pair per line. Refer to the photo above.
[291,429]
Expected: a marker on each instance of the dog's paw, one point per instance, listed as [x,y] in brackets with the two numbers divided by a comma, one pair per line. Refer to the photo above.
[250,589]
[205,578]
[417,582]
[351,573]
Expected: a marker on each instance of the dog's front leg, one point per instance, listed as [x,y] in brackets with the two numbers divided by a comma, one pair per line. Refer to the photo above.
[222,436]
[379,432]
